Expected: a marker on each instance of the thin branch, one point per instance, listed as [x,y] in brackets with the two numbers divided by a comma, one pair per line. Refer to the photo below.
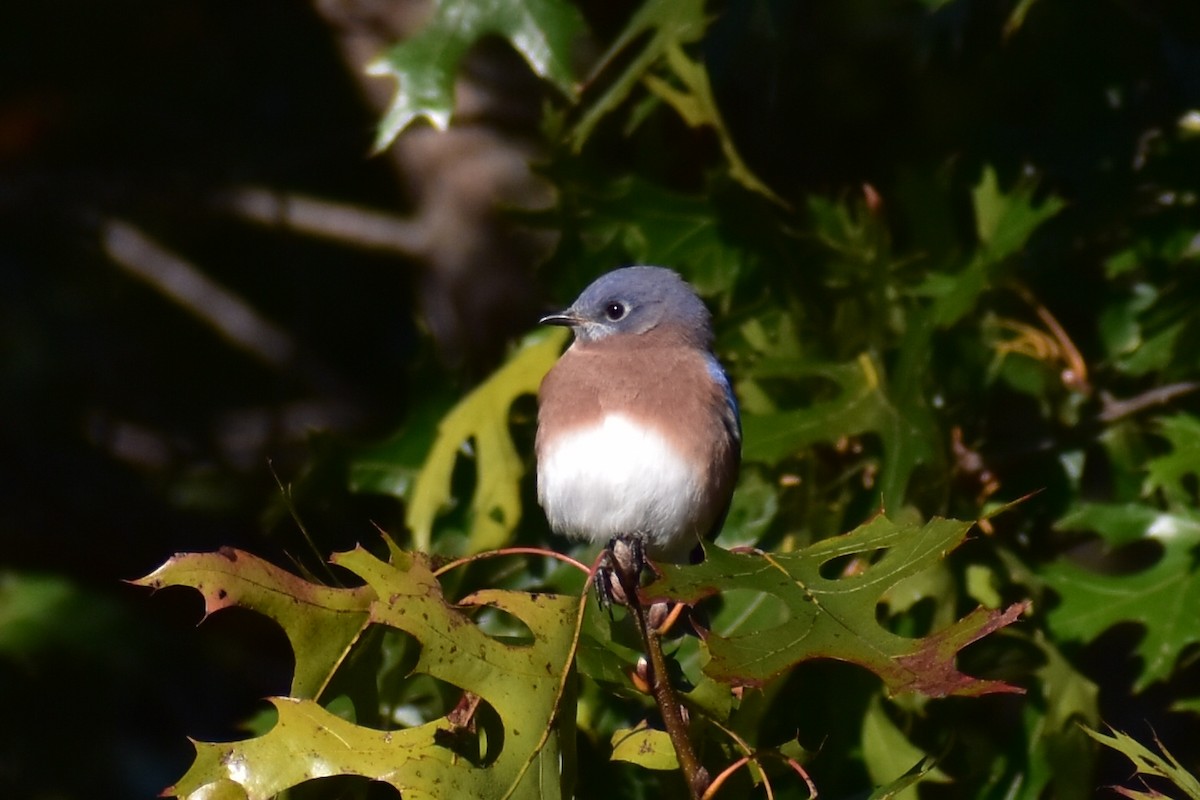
[1113,409]
[694,773]
[339,222]
[509,551]
[231,316]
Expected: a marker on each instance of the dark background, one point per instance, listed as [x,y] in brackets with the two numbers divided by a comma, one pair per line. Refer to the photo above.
[130,430]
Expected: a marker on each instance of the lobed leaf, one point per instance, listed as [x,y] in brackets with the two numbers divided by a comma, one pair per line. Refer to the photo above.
[1163,598]
[321,623]
[1003,224]
[1147,762]
[523,683]
[663,24]
[698,108]
[424,66]
[835,617]
[862,406]
[479,421]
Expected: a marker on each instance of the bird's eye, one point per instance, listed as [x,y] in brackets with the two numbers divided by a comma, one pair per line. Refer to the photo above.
[614,311]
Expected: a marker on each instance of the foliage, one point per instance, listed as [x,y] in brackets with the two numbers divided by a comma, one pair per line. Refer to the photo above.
[1147,762]
[504,737]
[1001,322]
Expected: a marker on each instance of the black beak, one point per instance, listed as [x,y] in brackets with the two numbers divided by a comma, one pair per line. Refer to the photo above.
[561,318]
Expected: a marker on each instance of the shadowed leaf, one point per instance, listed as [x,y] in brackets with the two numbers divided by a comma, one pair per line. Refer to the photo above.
[1163,597]
[862,406]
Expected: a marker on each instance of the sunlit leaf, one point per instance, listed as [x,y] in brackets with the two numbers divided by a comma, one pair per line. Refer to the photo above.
[320,622]
[662,24]
[645,747]
[836,617]
[1147,762]
[696,104]
[479,421]
[523,683]
[424,66]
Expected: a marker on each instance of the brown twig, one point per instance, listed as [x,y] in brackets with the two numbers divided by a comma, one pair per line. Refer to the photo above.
[510,551]
[694,774]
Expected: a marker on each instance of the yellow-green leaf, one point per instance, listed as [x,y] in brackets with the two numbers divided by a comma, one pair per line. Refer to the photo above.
[523,684]
[321,622]
[480,420]
[645,747]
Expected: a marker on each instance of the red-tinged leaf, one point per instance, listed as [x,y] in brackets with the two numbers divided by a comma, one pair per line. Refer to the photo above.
[835,617]
[523,684]
[320,622]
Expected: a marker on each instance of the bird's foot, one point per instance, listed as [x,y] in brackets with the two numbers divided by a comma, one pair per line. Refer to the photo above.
[620,571]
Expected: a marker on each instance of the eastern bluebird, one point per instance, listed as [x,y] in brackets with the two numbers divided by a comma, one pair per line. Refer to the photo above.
[638,429]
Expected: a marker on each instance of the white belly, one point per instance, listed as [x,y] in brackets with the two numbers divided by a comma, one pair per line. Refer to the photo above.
[620,478]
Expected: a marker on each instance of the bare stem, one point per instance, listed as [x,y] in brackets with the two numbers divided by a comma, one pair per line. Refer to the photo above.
[697,776]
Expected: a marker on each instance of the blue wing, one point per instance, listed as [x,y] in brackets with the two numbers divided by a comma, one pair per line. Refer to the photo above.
[731,417]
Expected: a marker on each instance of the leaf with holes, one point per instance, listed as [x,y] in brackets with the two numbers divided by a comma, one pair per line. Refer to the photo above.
[424,66]
[834,616]
[514,753]
[320,622]
[479,421]
[1163,598]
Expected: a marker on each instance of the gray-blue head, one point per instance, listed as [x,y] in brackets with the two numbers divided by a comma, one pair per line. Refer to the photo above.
[637,300]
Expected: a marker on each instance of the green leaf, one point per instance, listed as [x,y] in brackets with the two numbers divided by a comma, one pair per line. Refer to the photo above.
[1057,752]
[480,421]
[1175,474]
[523,683]
[900,786]
[1004,222]
[645,747]
[889,755]
[664,24]
[1163,597]
[1148,762]
[424,66]
[647,224]
[320,622]
[392,466]
[836,617]
[861,406]
[696,104]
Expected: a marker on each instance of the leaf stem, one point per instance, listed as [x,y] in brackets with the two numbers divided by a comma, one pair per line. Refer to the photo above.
[509,551]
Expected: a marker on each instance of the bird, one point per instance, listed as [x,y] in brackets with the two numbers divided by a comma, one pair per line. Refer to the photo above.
[638,430]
